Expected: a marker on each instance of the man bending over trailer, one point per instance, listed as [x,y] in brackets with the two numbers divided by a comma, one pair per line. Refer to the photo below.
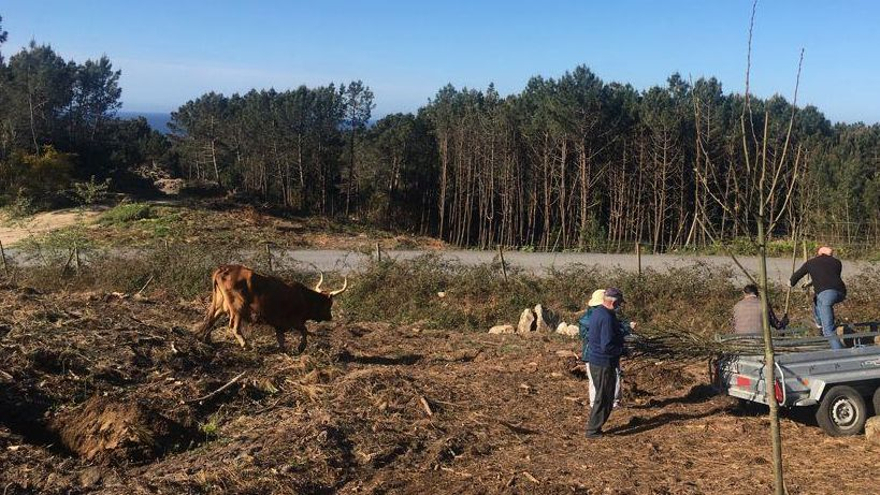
[747,314]
[828,287]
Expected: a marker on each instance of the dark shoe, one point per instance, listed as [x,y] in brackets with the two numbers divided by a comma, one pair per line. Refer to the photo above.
[595,434]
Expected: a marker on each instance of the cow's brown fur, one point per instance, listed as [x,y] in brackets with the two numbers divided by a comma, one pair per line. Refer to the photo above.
[245,295]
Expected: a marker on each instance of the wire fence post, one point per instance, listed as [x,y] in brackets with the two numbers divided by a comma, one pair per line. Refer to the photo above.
[76,257]
[3,256]
[269,256]
[503,264]
[639,257]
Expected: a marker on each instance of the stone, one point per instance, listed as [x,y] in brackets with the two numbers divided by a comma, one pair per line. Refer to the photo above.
[567,330]
[170,187]
[502,329]
[90,477]
[546,319]
[565,353]
[872,431]
[526,321]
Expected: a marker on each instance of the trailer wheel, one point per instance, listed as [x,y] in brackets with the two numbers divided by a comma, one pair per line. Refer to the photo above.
[842,412]
[877,402]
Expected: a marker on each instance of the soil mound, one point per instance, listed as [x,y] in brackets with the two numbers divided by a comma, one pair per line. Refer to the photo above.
[104,430]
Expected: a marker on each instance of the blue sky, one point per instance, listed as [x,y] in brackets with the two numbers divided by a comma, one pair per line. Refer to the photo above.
[173,51]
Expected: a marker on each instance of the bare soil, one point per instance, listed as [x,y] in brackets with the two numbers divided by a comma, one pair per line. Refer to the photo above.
[213,221]
[98,394]
[13,231]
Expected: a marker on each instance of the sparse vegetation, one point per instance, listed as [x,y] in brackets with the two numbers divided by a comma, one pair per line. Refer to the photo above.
[127,213]
[211,427]
[91,192]
[694,299]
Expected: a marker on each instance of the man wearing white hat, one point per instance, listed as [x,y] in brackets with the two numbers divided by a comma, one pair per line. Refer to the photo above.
[606,347]
[584,330]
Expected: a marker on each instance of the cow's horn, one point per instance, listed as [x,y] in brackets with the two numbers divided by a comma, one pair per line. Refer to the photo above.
[340,291]
[320,281]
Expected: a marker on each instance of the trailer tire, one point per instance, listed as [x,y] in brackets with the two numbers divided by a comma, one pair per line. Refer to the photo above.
[842,412]
[877,402]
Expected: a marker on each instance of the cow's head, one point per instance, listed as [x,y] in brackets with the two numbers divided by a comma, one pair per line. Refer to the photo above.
[322,312]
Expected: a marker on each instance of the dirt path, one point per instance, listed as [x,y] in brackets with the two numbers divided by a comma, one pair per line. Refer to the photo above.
[13,231]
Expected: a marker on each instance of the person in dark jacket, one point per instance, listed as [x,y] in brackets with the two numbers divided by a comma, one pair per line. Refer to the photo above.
[604,351]
[828,288]
[626,327]
[747,314]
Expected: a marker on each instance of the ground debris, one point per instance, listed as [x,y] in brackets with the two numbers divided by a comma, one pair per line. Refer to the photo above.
[93,398]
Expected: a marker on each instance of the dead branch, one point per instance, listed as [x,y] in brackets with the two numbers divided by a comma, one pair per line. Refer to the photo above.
[426,406]
[530,477]
[212,394]
[145,286]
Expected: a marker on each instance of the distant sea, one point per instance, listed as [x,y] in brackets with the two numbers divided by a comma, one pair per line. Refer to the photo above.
[157,120]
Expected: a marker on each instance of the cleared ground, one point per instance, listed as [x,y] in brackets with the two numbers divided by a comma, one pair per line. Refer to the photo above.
[15,230]
[99,395]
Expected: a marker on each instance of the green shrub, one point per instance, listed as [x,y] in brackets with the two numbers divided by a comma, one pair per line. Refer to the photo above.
[126,213]
[91,192]
[36,179]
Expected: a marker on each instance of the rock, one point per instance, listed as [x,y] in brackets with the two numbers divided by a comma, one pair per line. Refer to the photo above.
[872,430]
[568,330]
[502,329]
[567,354]
[90,477]
[527,321]
[546,319]
[170,187]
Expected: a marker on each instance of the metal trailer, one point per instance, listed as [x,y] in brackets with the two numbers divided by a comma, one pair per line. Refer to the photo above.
[843,384]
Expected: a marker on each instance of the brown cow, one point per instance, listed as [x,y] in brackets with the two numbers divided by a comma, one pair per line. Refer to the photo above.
[245,295]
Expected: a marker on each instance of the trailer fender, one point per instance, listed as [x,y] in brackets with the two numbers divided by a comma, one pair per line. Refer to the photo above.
[817,388]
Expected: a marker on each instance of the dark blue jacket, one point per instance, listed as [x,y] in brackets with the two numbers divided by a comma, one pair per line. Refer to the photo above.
[605,338]
[584,330]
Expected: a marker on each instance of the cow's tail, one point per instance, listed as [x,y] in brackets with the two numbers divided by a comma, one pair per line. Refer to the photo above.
[215,307]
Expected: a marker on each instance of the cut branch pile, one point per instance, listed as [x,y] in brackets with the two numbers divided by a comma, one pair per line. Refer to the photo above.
[662,344]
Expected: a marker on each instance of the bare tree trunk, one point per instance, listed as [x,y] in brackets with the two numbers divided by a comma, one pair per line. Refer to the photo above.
[444,162]
[770,365]
[33,122]
[350,174]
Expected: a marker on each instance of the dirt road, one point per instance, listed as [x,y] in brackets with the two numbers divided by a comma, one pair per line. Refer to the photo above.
[778,269]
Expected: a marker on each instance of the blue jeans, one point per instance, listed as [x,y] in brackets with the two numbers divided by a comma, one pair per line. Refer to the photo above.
[824,314]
